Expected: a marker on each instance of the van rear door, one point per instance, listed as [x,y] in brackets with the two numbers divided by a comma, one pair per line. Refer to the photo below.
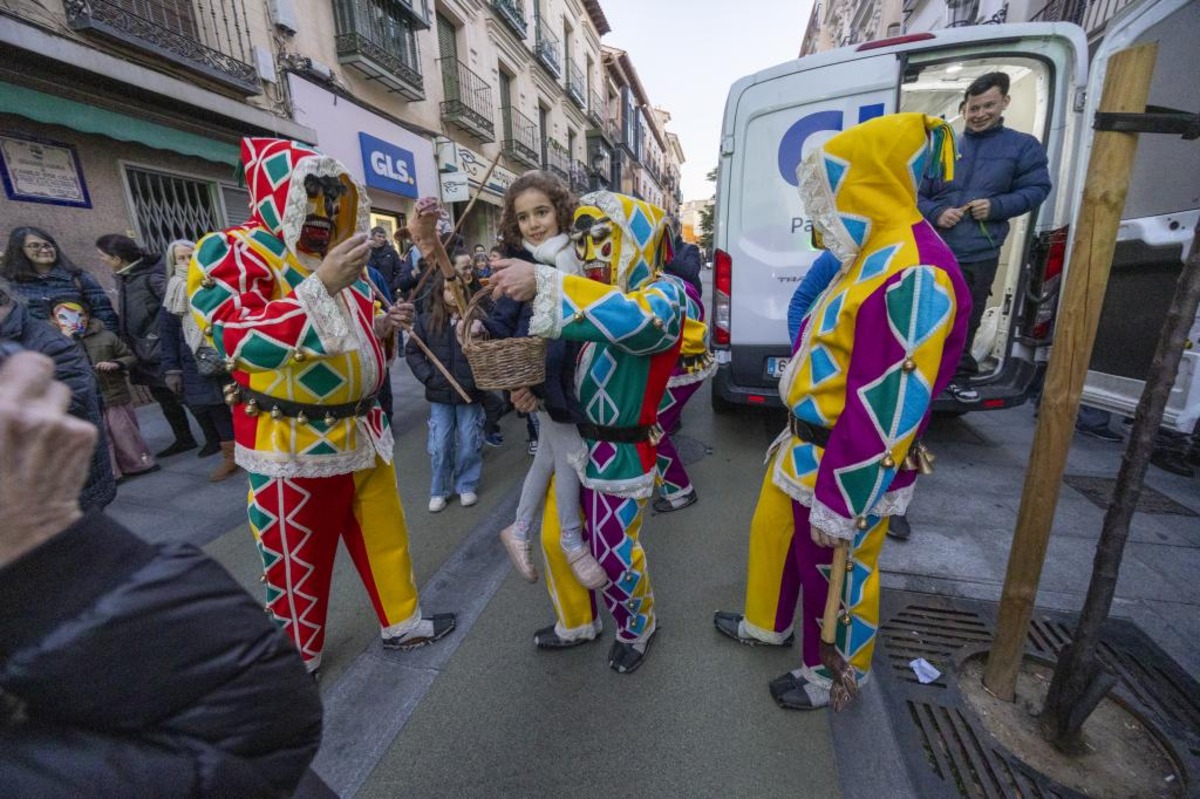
[773,118]
[1158,221]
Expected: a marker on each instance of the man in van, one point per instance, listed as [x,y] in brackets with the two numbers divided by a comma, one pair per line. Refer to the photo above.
[1001,174]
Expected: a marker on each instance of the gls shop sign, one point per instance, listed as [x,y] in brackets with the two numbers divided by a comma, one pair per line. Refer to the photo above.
[388,167]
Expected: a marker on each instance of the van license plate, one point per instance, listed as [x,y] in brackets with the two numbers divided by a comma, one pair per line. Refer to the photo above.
[775,366]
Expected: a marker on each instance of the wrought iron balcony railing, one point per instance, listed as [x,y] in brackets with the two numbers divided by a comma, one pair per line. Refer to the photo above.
[1062,11]
[548,49]
[417,11]
[380,43]
[576,87]
[558,160]
[579,177]
[1099,12]
[596,109]
[602,166]
[207,37]
[468,103]
[520,138]
[513,15]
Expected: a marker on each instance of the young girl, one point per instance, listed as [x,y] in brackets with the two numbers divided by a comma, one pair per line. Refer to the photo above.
[112,360]
[455,426]
[537,213]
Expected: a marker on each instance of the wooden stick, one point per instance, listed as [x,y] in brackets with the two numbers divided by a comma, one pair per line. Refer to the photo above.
[1126,87]
[482,184]
[441,367]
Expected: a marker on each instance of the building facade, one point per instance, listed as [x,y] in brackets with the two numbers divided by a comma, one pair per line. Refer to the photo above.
[125,115]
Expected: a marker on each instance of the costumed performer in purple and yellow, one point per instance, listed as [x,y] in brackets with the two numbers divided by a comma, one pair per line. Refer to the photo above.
[284,299]
[631,318]
[878,345]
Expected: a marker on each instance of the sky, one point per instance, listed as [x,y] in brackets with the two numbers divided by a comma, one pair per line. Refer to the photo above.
[688,53]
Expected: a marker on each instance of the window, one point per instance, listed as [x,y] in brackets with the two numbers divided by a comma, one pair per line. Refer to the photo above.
[167,207]
[544,131]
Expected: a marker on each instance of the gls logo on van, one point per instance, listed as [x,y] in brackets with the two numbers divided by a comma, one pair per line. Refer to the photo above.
[388,167]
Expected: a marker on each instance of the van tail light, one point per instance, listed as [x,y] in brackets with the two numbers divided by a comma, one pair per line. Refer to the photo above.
[722,296]
[1053,250]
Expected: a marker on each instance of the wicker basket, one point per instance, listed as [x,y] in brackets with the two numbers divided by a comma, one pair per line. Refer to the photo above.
[504,363]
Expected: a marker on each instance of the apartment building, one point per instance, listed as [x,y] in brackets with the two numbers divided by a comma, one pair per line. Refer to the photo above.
[125,115]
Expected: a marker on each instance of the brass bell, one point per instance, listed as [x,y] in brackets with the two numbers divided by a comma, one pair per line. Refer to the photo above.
[888,461]
[579,317]
[298,356]
[233,394]
[862,523]
[925,459]
[208,331]
[208,282]
[656,434]
[908,365]
[301,418]
[658,323]
[252,408]
[329,418]
[276,413]
[845,619]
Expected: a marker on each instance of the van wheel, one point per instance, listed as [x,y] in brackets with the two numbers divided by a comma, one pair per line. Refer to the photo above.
[722,405]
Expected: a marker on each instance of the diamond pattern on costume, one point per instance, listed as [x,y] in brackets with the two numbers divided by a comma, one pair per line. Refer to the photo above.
[602,406]
[917,307]
[804,459]
[856,582]
[853,637]
[877,263]
[809,412]
[641,227]
[916,167]
[320,380]
[822,365]
[857,226]
[835,171]
[601,454]
[830,316]
[861,484]
[282,545]
[895,402]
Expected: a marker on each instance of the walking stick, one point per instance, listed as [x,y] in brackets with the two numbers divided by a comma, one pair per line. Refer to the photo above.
[491,168]
[845,685]
[441,367]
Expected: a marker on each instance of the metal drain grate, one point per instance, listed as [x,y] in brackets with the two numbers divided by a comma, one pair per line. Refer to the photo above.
[948,753]
[1098,491]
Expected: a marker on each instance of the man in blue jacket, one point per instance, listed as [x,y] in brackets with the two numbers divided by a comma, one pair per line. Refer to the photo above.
[1001,174]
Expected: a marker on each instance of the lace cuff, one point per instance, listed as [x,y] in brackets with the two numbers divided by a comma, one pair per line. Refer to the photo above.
[546,320]
[824,518]
[326,315]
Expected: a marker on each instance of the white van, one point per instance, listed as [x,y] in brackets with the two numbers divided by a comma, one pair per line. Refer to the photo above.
[762,242]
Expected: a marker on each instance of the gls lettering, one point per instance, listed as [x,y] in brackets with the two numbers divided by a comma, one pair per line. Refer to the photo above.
[385,167]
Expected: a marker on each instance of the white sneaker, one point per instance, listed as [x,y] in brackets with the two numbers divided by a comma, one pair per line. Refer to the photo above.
[468,498]
[437,504]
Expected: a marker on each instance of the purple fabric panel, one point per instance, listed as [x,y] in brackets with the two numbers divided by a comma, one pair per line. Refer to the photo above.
[789,578]
[670,465]
[814,587]
[606,535]
[854,438]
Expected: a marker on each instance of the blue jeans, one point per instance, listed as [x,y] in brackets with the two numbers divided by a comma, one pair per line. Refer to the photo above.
[455,448]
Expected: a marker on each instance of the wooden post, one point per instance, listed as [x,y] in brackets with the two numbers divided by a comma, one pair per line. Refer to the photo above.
[1126,87]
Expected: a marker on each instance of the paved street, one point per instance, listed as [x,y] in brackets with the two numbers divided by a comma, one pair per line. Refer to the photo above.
[484,714]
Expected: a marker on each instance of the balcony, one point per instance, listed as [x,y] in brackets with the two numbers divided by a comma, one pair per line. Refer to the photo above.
[520,138]
[513,15]
[377,41]
[576,87]
[417,12]
[596,108]
[1062,11]
[215,45]
[579,177]
[602,165]
[468,103]
[547,48]
[558,160]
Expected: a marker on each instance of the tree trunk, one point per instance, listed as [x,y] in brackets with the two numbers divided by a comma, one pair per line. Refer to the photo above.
[1080,681]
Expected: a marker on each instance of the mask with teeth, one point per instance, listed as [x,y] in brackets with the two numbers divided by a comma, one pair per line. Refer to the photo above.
[596,239]
[320,222]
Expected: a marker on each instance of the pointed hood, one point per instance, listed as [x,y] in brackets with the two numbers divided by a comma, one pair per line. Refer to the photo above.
[275,171]
[865,179]
[638,245]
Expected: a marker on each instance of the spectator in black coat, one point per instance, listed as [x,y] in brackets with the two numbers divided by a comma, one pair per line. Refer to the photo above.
[72,368]
[686,263]
[126,669]
[385,259]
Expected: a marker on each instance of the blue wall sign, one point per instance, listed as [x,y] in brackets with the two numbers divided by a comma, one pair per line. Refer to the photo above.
[388,167]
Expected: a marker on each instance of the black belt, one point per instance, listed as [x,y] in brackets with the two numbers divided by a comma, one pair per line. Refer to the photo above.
[621,435]
[808,432]
[264,403]
[692,361]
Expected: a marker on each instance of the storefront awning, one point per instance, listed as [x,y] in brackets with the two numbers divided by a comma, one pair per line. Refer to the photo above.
[51,110]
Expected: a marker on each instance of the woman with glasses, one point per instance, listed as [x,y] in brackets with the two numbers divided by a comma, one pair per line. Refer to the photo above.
[42,276]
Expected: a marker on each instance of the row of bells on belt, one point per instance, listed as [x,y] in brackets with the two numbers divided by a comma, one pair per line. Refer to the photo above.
[233,396]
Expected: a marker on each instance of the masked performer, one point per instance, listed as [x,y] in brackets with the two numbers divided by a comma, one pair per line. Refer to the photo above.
[879,343]
[695,364]
[284,300]
[631,319]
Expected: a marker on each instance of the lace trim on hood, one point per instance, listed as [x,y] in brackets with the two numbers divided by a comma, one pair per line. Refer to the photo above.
[820,205]
[322,166]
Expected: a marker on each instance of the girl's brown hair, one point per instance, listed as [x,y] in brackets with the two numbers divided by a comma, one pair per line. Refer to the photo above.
[439,312]
[561,197]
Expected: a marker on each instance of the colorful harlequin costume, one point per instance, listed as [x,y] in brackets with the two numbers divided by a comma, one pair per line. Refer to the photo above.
[289,344]
[631,318]
[694,366]
[879,344]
